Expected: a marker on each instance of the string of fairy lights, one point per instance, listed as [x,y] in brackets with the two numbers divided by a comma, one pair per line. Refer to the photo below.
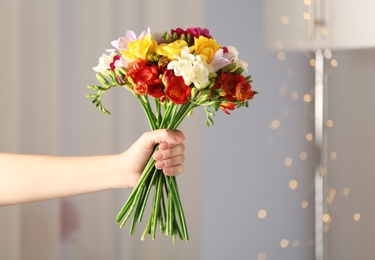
[331,194]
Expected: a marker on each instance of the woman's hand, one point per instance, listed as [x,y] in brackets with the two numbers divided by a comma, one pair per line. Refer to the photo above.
[170,156]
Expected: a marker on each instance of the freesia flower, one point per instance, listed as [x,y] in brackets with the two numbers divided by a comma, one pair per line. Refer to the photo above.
[206,47]
[219,60]
[130,36]
[225,106]
[142,48]
[106,62]
[124,62]
[175,88]
[146,79]
[171,49]
[234,87]
[231,54]
[195,32]
[122,42]
[193,69]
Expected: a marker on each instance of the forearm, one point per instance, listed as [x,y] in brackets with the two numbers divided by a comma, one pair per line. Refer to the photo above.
[26,178]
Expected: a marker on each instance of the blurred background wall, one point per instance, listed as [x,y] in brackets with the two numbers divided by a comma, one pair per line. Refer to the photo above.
[248,187]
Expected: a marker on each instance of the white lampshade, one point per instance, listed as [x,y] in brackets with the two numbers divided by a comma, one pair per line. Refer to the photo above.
[297,25]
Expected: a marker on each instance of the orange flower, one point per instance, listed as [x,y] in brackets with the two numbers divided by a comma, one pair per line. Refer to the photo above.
[227,105]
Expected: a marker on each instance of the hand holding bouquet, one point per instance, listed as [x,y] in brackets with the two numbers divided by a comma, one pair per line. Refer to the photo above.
[179,70]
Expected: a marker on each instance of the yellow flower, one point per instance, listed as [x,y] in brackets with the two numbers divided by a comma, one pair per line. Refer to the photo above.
[206,47]
[172,48]
[143,48]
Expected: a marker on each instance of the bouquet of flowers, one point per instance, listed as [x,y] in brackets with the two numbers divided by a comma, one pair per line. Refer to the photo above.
[178,70]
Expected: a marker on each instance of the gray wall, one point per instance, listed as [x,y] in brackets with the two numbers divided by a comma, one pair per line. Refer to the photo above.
[244,168]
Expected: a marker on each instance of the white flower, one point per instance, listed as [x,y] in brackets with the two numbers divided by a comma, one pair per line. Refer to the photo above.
[123,62]
[104,63]
[232,55]
[193,69]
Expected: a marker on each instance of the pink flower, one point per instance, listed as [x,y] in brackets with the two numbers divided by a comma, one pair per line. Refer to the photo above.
[219,60]
[130,36]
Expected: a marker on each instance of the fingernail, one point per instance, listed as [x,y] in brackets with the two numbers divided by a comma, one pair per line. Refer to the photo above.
[158,156]
[179,138]
[167,171]
[160,165]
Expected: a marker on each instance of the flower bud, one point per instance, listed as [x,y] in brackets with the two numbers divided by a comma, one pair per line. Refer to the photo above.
[209,121]
[193,93]
[175,36]
[203,98]
[102,80]
[168,38]
[189,40]
[239,70]
[112,75]
[183,37]
[229,67]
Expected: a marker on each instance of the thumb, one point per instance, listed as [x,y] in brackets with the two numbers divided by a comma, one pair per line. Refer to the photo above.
[164,136]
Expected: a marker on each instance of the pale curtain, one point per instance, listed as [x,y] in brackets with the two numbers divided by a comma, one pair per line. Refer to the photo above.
[47,49]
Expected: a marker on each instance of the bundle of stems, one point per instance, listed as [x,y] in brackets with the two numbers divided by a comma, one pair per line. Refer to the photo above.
[166,209]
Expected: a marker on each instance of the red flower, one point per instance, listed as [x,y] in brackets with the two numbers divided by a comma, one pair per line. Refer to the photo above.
[156,91]
[146,79]
[176,89]
[234,87]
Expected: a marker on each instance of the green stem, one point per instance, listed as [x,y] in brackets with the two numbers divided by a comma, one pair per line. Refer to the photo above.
[148,111]
[172,186]
[133,205]
[173,116]
[158,113]
[181,115]
[156,203]
[141,181]
[150,184]
[145,232]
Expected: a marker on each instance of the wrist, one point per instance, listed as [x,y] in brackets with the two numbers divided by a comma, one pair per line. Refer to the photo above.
[120,174]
